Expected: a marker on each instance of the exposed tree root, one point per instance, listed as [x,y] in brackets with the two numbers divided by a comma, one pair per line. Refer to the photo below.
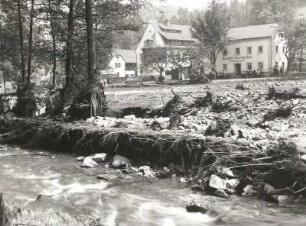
[195,156]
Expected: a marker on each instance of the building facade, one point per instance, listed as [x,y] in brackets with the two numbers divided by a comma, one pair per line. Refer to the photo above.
[252,48]
[159,35]
[123,64]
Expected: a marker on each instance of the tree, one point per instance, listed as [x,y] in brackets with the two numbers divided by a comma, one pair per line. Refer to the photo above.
[30,43]
[20,19]
[53,35]
[270,11]
[210,28]
[294,34]
[155,59]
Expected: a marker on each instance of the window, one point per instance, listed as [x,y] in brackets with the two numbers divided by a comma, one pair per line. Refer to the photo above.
[260,66]
[260,49]
[237,51]
[249,66]
[225,52]
[117,65]
[224,67]
[276,49]
[249,50]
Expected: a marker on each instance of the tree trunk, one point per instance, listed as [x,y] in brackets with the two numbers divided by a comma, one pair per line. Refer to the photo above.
[30,43]
[90,43]
[2,57]
[301,60]
[26,102]
[53,43]
[69,51]
[23,72]
[95,93]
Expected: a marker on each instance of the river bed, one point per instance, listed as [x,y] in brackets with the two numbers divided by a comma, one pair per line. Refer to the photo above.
[35,178]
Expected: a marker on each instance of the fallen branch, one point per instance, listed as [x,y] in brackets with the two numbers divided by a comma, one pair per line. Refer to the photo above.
[248,165]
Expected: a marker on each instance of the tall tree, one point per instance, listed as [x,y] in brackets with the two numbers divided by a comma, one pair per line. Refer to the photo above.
[30,43]
[69,50]
[92,66]
[156,59]
[210,28]
[271,11]
[294,34]
[53,35]
[20,19]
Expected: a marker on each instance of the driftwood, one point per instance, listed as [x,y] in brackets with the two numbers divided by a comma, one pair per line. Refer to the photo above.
[284,94]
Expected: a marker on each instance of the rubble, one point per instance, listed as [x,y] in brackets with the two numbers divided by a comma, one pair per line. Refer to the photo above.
[120,161]
[89,163]
[196,207]
[218,138]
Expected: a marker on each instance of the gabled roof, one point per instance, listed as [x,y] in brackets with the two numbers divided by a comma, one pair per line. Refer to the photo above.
[256,31]
[183,35]
[129,56]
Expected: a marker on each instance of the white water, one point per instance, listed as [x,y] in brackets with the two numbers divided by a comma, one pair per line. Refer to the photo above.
[125,201]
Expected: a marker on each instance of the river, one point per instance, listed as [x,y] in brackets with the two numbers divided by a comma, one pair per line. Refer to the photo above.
[125,200]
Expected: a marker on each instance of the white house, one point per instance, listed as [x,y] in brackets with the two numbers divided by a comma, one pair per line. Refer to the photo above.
[252,48]
[163,35]
[123,63]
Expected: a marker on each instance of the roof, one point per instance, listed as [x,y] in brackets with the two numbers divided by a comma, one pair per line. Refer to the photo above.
[257,31]
[237,33]
[184,35]
[129,56]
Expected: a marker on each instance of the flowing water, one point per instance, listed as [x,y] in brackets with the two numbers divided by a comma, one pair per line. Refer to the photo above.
[125,200]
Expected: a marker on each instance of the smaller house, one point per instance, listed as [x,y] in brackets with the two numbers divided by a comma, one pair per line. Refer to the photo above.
[124,63]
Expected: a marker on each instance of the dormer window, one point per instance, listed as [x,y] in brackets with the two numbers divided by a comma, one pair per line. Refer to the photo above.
[171,31]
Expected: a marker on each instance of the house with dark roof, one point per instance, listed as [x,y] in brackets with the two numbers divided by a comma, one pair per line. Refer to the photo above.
[123,64]
[163,35]
[252,48]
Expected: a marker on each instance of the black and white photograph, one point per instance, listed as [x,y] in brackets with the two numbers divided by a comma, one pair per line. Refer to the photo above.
[152,112]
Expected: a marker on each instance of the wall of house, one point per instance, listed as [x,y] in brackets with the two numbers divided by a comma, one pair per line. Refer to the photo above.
[150,33]
[231,59]
[117,65]
[279,56]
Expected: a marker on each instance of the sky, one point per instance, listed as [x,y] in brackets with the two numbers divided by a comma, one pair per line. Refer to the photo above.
[190,4]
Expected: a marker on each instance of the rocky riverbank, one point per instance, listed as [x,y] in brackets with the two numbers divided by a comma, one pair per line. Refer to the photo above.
[214,165]
[240,141]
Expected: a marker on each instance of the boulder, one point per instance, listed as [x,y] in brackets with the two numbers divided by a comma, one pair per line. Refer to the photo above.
[120,161]
[221,193]
[216,182]
[130,117]
[89,163]
[166,169]
[182,180]
[232,183]
[253,122]
[249,190]
[146,171]
[225,171]
[107,177]
[101,157]
[80,159]
[196,207]
[163,175]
